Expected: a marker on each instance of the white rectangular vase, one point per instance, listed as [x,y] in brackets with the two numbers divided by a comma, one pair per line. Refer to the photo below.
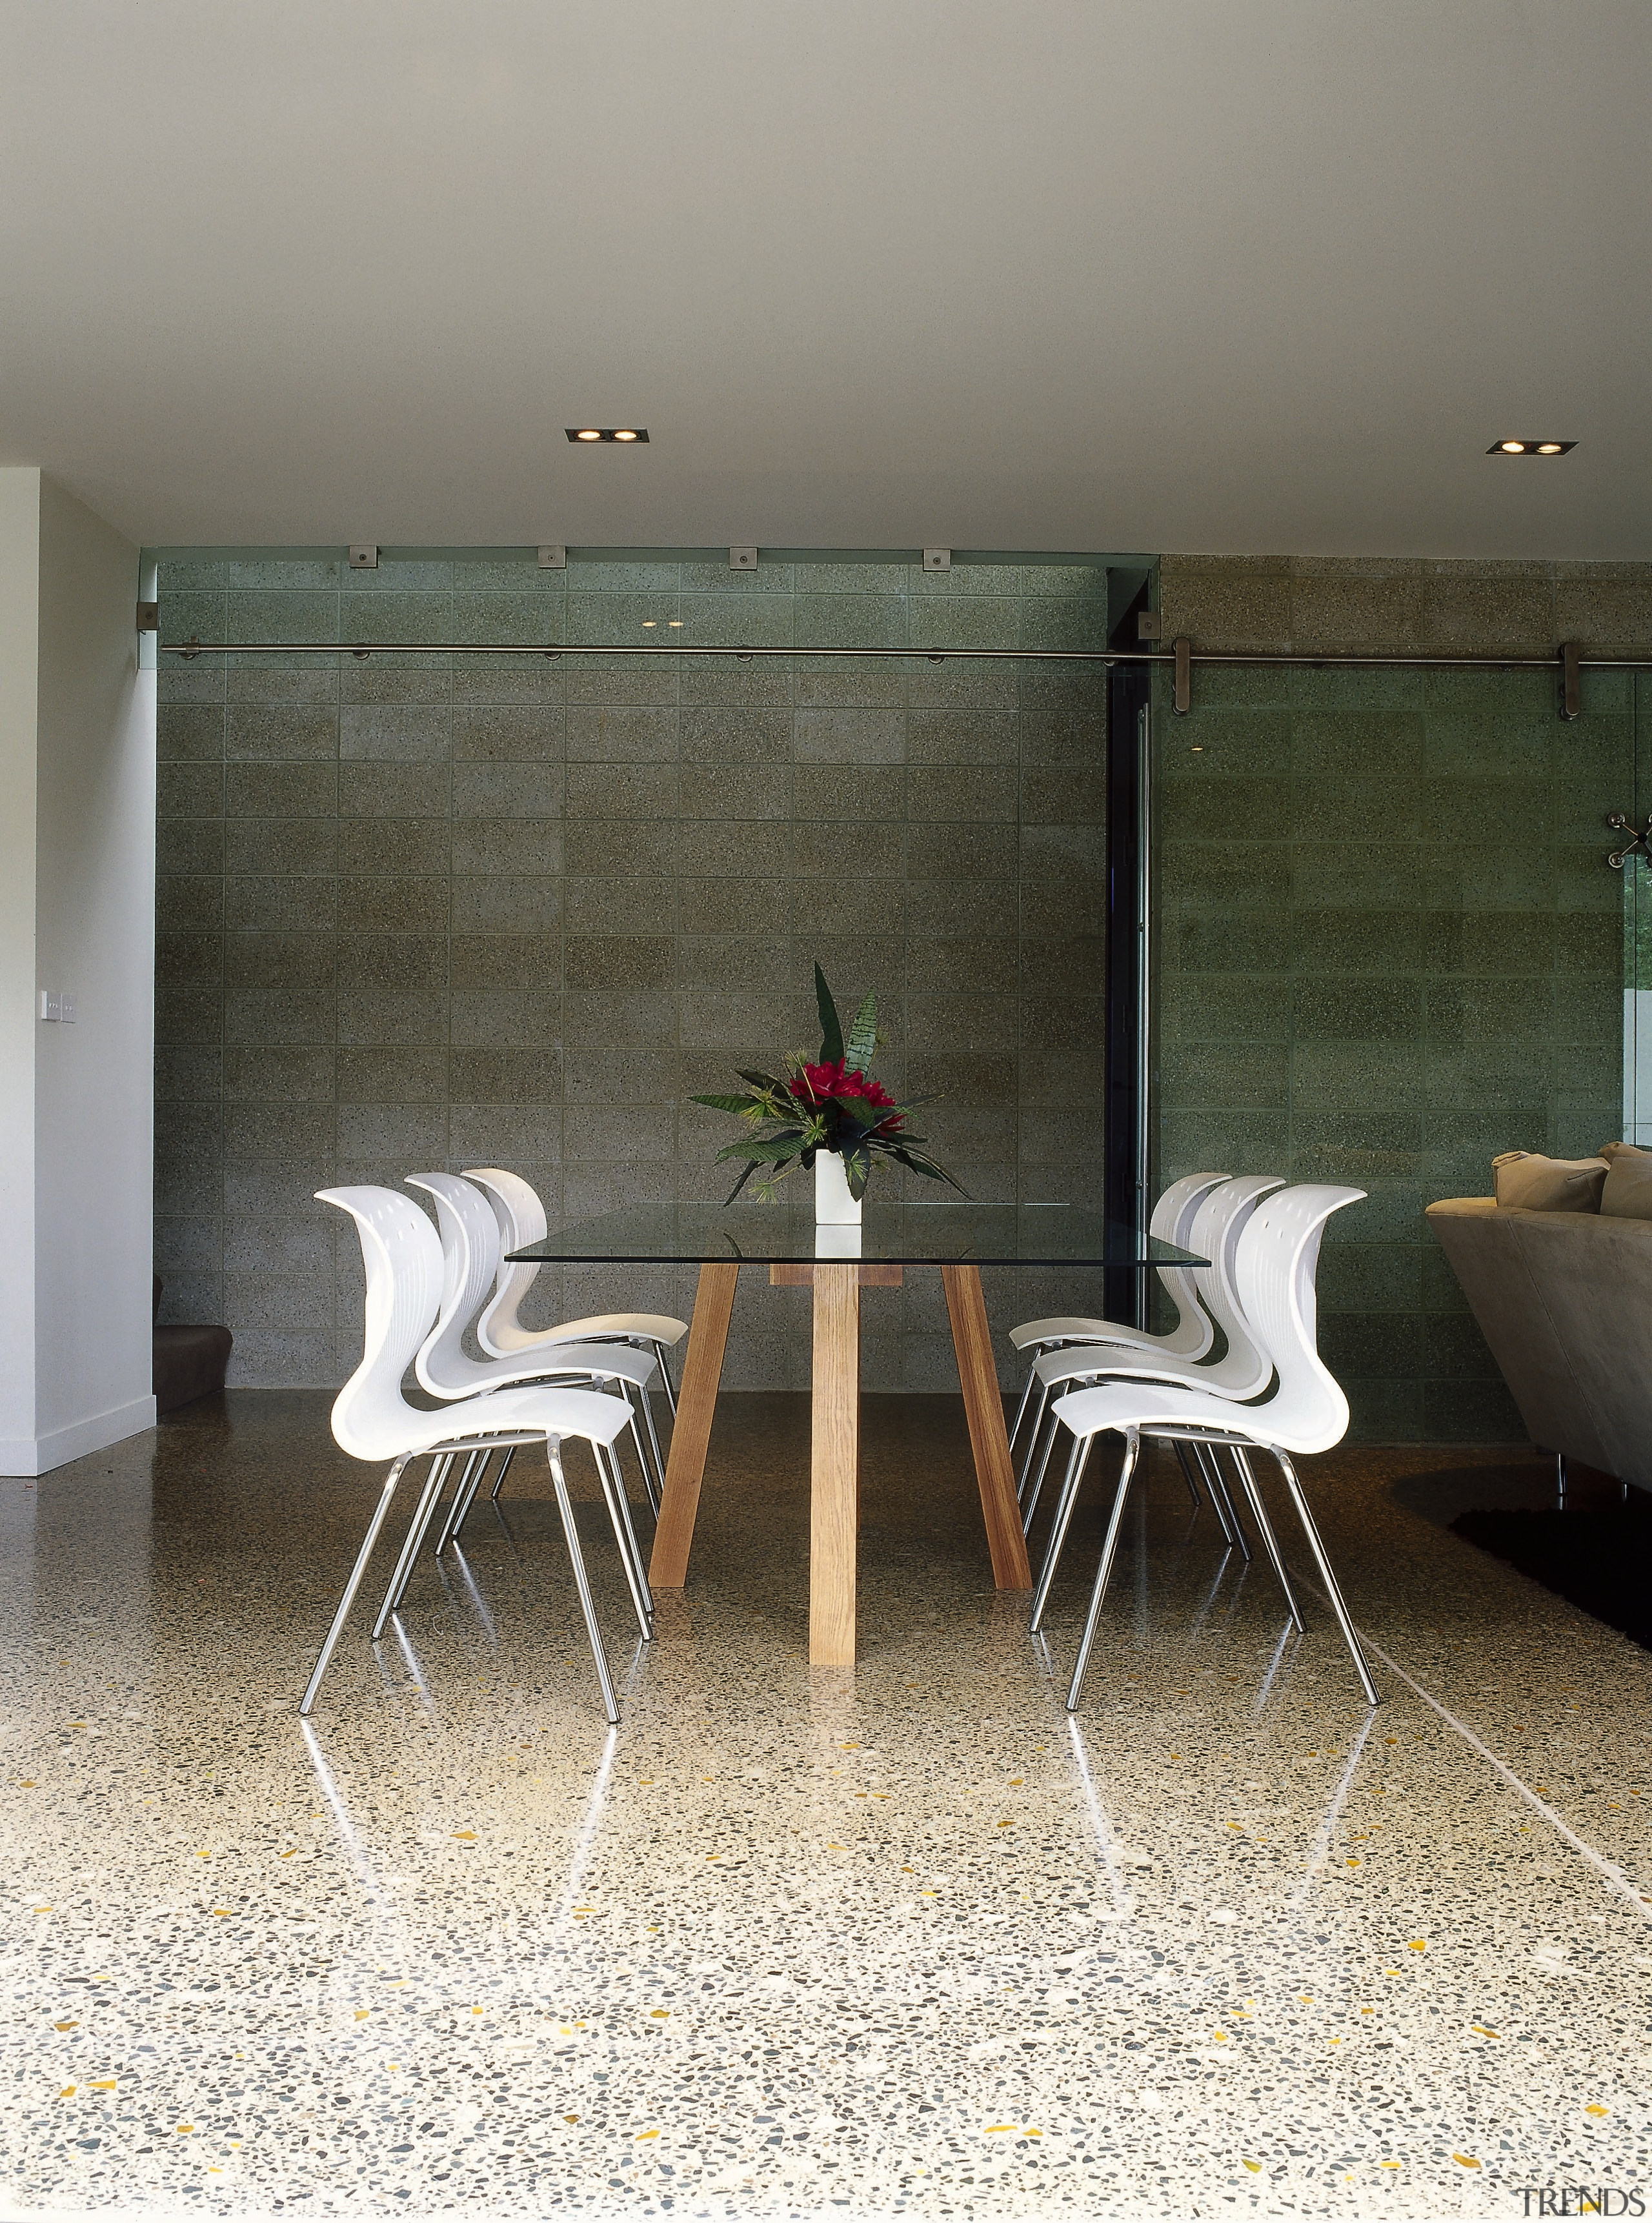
[834,1206]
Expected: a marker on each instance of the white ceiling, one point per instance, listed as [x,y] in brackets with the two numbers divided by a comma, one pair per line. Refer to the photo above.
[1263,275]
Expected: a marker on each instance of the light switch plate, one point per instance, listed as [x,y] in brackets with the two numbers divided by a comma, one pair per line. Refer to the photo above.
[66,1008]
[51,1004]
[938,559]
[363,559]
[743,559]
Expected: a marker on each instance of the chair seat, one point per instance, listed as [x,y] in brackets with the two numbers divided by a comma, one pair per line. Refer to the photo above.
[489,1375]
[529,1412]
[1086,1332]
[1144,1405]
[653,1327]
[1118,1362]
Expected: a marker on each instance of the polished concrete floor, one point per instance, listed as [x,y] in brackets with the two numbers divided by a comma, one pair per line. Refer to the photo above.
[903,1939]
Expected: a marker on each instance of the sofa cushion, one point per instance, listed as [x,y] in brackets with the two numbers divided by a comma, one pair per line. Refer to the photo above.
[1628,1191]
[1534,1183]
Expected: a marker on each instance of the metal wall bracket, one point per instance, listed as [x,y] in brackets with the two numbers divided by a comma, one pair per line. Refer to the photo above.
[1571,685]
[1182,700]
[553,559]
[364,558]
[938,559]
[743,559]
[1638,844]
[148,617]
[1150,626]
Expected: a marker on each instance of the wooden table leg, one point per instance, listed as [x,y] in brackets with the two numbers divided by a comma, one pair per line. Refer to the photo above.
[696,1402]
[971,1340]
[835,1466]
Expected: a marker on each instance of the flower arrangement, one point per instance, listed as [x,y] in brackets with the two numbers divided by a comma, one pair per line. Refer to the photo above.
[829,1104]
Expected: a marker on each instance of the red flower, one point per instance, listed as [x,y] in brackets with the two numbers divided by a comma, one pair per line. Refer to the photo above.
[816,1082]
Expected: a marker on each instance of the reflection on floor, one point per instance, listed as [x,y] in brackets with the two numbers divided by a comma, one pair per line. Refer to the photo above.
[900,1939]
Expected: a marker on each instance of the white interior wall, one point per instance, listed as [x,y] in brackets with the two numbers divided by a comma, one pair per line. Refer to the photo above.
[78,1116]
[20,491]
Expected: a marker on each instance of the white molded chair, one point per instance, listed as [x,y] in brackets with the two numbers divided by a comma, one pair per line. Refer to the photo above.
[470,1237]
[1274,1276]
[1191,1337]
[522,1222]
[371,1419]
[1243,1371]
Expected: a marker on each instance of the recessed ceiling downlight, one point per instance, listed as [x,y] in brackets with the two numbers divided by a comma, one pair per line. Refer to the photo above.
[621,435]
[1531,447]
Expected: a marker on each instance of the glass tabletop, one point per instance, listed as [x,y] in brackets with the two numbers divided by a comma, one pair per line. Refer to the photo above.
[890,1234]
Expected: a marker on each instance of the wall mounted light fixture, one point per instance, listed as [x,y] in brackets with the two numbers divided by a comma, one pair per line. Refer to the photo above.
[619,435]
[1531,447]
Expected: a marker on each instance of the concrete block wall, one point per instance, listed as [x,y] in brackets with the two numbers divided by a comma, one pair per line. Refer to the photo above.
[421,914]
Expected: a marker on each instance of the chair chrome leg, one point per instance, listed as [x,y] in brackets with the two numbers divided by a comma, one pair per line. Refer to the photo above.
[619,1512]
[1115,1522]
[499,1479]
[1069,1489]
[1560,1479]
[1021,1409]
[416,1528]
[1220,1490]
[1037,1424]
[1185,1464]
[554,1453]
[1031,1505]
[1328,1580]
[1264,1529]
[1228,1499]
[471,1472]
[654,1477]
[665,1376]
[351,1586]
[470,1499]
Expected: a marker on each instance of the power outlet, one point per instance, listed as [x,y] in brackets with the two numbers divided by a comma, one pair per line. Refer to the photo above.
[58,1006]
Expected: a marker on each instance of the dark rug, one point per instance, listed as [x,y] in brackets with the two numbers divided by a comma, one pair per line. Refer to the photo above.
[1599,1559]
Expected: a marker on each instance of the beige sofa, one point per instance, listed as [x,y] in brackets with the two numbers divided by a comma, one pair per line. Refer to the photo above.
[1564,1298]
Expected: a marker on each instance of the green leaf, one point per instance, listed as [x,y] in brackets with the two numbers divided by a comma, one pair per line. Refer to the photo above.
[857,1108]
[738,1186]
[920,1163]
[857,1169]
[740,1104]
[831,1027]
[765,1080]
[775,1151]
[863,1036]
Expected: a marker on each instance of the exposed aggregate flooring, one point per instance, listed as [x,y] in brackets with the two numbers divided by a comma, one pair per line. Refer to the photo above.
[899,1939]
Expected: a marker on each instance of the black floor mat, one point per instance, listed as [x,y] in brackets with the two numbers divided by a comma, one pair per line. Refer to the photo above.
[1601,1559]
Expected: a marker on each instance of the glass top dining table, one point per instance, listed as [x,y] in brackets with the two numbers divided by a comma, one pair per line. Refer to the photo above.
[917,1234]
[836,1262]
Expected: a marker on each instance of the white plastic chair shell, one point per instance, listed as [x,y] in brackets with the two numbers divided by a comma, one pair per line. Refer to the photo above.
[521,1220]
[402,1260]
[1274,1276]
[1193,1335]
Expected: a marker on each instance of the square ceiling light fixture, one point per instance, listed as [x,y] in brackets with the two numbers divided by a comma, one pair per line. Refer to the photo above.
[1531,447]
[622,434]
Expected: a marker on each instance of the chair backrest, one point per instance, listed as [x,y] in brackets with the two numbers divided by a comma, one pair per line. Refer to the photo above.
[1274,1275]
[521,1220]
[1244,1369]
[470,1239]
[402,1257]
[1172,1222]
